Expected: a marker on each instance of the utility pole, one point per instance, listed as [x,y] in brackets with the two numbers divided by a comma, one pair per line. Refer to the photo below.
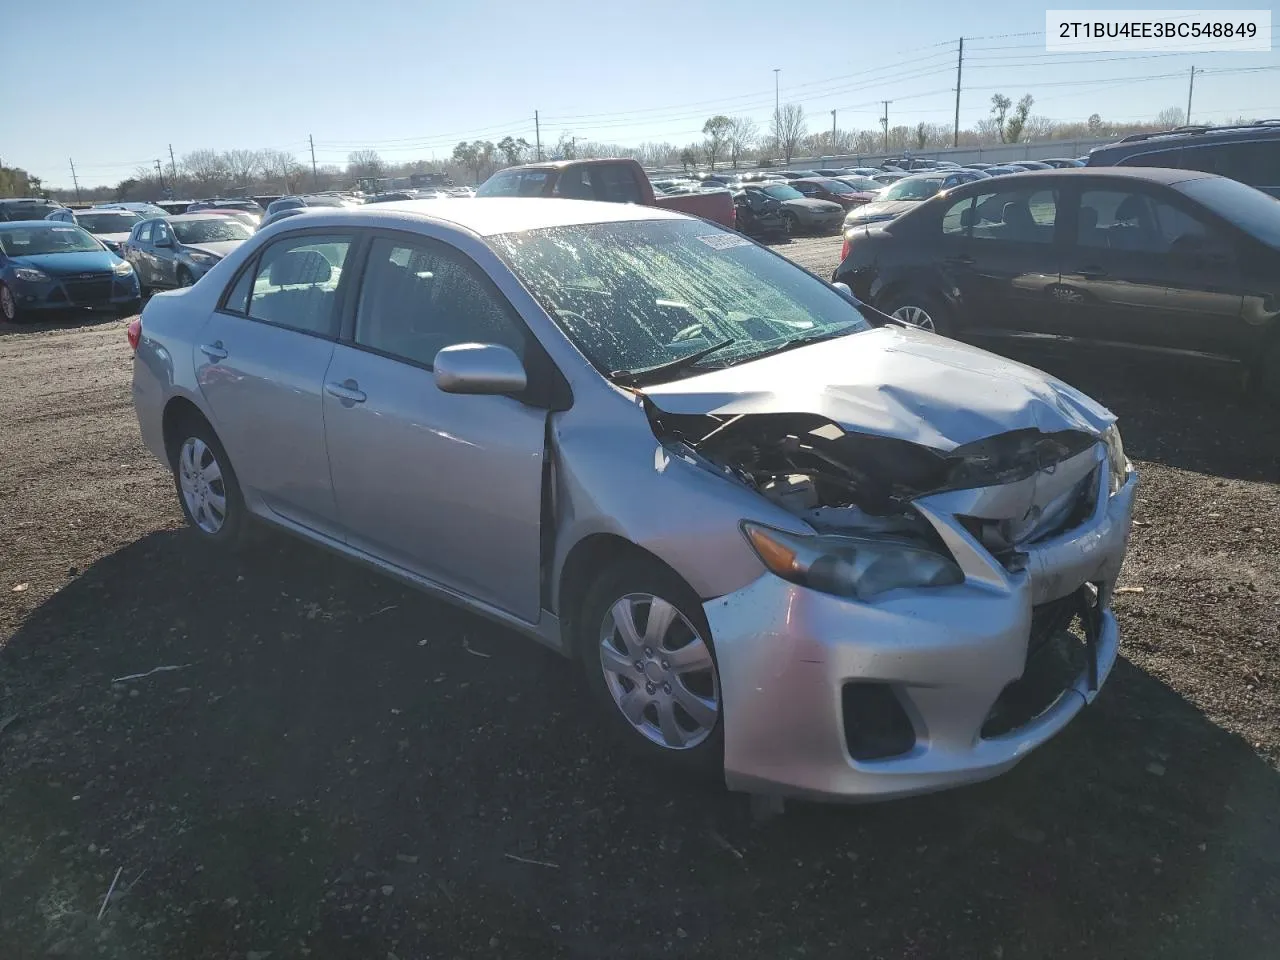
[315,176]
[173,165]
[159,174]
[537,133]
[73,178]
[885,121]
[955,139]
[1190,88]
[777,105]
[833,133]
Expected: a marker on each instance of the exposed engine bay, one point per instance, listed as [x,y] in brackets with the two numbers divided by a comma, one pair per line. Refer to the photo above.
[838,480]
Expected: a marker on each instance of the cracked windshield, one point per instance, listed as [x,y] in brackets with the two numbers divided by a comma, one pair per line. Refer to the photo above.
[573,481]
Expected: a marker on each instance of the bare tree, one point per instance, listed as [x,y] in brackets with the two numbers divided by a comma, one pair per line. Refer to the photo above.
[1095,125]
[1000,105]
[743,134]
[365,163]
[789,128]
[689,157]
[513,150]
[716,130]
[242,165]
[1170,117]
[567,147]
[1016,124]
[281,166]
[208,168]
[468,155]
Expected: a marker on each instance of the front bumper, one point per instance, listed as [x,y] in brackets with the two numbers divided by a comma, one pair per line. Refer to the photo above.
[104,292]
[946,654]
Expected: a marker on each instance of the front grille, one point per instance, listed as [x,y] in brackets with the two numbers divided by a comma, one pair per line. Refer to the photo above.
[85,293]
[1061,648]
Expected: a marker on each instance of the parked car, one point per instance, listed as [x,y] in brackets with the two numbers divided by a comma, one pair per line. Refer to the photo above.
[111,227]
[180,250]
[142,209]
[308,200]
[825,188]
[27,208]
[864,188]
[796,174]
[224,203]
[1249,153]
[283,212]
[1145,259]
[391,195]
[47,266]
[868,172]
[908,192]
[829,172]
[1034,165]
[759,215]
[1003,169]
[616,180]
[888,177]
[788,548]
[976,166]
[1063,162]
[803,214]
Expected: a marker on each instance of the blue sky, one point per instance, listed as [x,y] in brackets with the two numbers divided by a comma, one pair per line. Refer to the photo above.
[113,84]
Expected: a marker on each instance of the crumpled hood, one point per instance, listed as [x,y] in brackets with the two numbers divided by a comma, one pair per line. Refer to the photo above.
[218,249]
[879,209]
[814,206]
[893,382]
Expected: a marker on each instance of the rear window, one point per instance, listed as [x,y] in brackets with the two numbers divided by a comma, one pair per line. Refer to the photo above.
[514,183]
[26,211]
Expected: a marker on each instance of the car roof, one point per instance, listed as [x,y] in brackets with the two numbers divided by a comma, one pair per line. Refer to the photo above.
[1148,174]
[489,216]
[194,217]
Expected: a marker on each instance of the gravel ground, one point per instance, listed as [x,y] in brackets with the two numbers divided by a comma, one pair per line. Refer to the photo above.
[342,768]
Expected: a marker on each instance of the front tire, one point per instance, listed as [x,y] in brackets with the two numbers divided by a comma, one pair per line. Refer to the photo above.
[9,311]
[646,648]
[918,309]
[208,490]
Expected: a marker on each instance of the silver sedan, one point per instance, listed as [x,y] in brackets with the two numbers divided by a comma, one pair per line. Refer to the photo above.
[810,554]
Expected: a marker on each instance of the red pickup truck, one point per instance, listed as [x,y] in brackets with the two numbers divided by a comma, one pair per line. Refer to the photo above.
[617,181]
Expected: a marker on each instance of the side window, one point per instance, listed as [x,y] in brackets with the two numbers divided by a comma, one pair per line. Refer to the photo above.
[1023,215]
[237,298]
[575,185]
[616,184]
[1256,162]
[806,188]
[296,284]
[161,232]
[958,218]
[1135,222]
[421,296]
[144,232]
[1156,158]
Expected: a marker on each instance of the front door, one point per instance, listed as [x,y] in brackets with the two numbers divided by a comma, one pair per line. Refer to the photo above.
[448,487]
[1008,264]
[164,255]
[260,362]
[1146,270]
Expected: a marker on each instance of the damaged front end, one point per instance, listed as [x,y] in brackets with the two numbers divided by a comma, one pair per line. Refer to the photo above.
[841,481]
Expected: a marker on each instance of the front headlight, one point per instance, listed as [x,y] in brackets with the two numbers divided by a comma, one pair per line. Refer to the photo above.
[848,566]
[31,275]
[1117,462]
[204,259]
[123,268]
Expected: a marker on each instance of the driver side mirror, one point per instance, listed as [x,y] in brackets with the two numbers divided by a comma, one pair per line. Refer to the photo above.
[479,368]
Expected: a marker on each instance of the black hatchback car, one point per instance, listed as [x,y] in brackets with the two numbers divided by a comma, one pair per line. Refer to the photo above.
[759,215]
[1147,259]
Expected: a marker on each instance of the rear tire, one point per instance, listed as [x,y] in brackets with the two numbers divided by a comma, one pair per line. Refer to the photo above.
[206,483]
[670,708]
[918,309]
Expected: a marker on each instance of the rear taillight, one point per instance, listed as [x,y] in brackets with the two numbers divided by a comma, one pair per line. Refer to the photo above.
[135,332]
[844,249]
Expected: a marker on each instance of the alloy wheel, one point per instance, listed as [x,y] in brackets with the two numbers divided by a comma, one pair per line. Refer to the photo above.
[203,489]
[914,316]
[660,671]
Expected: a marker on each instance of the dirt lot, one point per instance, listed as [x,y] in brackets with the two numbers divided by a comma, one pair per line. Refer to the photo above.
[344,769]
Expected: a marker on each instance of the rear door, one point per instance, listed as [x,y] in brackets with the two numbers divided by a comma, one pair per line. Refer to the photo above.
[140,253]
[1144,267]
[260,361]
[446,486]
[1005,255]
[164,255]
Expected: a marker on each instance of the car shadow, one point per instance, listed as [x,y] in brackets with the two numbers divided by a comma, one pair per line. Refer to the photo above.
[62,321]
[324,759]
[1183,413]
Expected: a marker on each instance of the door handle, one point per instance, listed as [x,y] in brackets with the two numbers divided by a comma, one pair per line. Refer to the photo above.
[348,391]
[213,351]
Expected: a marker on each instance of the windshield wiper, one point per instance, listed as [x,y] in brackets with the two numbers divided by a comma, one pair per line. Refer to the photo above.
[802,342]
[634,377]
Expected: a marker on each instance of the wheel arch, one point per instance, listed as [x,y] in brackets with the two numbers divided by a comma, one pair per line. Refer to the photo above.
[179,410]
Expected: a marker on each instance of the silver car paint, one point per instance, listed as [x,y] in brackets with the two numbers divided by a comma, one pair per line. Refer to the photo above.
[784,650]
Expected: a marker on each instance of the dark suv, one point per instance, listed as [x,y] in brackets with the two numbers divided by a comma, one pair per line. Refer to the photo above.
[1145,259]
[27,208]
[1249,153]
